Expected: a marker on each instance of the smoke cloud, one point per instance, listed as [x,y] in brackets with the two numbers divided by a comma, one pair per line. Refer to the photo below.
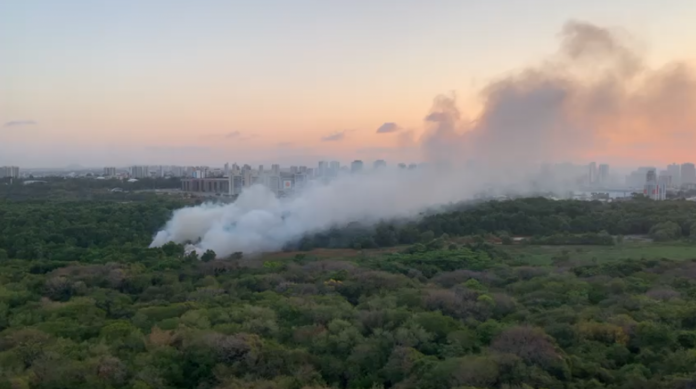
[259,222]
[594,95]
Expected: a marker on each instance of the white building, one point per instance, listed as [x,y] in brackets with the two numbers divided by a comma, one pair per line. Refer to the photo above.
[9,172]
[592,173]
[177,171]
[674,170]
[140,171]
[109,172]
[654,188]
[688,174]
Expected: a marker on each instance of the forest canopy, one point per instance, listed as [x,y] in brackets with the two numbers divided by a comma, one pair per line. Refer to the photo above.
[445,301]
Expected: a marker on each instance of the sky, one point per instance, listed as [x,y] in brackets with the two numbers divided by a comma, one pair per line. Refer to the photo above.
[97,83]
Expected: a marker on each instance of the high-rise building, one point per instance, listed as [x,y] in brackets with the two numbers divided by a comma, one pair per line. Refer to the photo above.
[109,172]
[322,169]
[665,178]
[9,172]
[356,166]
[402,166]
[140,171]
[592,173]
[653,188]
[603,174]
[380,163]
[177,171]
[236,183]
[637,178]
[688,174]
[674,170]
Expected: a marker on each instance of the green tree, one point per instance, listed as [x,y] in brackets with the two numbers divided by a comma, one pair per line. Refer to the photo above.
[208,256]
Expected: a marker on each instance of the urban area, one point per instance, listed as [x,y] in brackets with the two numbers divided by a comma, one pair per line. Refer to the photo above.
[592,181]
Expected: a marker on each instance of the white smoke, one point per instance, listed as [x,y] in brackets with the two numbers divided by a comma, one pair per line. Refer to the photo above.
[563,109]
[259,222]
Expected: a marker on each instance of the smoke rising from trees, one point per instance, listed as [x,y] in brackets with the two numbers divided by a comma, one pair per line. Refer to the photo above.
[595,94]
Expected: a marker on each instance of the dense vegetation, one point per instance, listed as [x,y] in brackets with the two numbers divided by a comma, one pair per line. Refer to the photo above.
[85,304]
[549,222]
[85,188]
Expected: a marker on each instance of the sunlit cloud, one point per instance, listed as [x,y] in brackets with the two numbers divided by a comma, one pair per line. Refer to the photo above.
[388,128]
[335,137]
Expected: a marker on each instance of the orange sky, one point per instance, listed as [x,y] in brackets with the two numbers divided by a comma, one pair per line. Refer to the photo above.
[243,84]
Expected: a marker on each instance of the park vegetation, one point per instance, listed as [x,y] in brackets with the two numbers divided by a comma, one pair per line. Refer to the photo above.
[85,304]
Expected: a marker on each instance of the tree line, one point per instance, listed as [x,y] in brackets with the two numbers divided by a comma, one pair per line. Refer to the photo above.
[545,221]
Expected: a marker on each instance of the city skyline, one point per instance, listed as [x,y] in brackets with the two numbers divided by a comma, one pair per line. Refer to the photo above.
[105,84]
[592,175]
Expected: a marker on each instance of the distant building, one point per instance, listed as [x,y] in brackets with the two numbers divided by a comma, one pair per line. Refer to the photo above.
[215,173]
[9,172]
[637,178]
[665,178]
[356,166]
[140,171]
[674,171]
[206,185]
[177,171]
[235,184]
[592,173]
[335,167]
[322,169]
[109,172]
[653,188]
[380,163]
[688,174]
[603,174]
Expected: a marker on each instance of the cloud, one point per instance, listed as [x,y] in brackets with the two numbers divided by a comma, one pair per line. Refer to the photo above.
[284,144]
[19,123]
[388,128]
[236,135]
[335,137]
[593,96]
[178,149]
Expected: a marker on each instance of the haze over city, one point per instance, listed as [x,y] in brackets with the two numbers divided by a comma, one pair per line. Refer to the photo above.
[99,84]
